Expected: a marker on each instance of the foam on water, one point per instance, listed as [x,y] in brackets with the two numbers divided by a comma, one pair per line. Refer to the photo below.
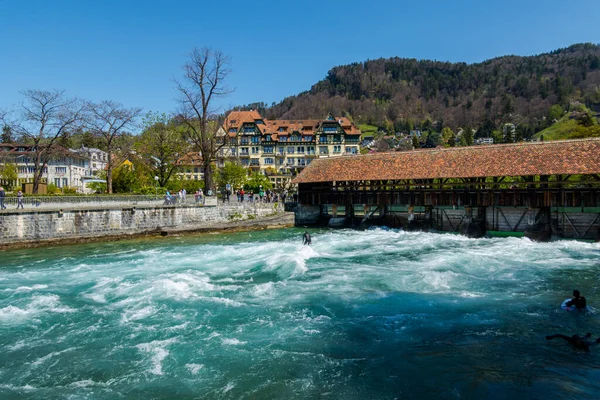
[259,315]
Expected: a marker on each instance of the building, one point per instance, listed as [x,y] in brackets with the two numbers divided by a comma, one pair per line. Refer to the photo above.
[64,169]
[98,158]
[281,148]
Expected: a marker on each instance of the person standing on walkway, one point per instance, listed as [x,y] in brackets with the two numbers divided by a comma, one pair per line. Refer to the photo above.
[19,199]
[2,196]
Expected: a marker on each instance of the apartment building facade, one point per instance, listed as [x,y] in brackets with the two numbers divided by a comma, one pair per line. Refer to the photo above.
[282,147]
[65,168]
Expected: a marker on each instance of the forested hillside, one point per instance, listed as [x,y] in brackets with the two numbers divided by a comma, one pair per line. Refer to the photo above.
[399,94]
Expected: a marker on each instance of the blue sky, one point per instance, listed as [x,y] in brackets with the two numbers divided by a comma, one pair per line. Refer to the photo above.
[130,51]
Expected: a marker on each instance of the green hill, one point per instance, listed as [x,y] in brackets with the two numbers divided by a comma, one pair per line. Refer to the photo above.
[398,94]
[569,128]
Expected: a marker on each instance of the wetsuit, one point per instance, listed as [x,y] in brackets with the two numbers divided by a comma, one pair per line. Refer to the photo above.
[578,302]
[577,341]
[306,238]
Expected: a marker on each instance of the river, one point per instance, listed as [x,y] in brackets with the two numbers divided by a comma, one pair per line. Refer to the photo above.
[378,314]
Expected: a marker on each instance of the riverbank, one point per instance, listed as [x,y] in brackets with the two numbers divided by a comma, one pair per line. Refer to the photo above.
[55,227]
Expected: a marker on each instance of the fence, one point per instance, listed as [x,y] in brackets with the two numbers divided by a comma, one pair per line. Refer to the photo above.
[121,200]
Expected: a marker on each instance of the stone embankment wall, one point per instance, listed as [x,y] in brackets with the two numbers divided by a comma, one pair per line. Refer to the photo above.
[62,225]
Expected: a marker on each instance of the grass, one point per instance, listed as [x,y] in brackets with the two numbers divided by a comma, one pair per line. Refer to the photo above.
[568,129]
[368,130]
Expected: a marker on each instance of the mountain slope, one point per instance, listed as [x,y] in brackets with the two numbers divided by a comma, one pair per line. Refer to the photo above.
[399,93]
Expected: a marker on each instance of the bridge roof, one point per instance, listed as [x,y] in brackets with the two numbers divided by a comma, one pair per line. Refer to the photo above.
[520,159]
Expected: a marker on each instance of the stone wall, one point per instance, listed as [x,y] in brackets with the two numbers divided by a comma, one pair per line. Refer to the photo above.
[41,225]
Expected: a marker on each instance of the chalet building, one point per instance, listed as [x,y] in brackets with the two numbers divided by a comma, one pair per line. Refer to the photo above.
[281,148]
[65,169]
[98,158]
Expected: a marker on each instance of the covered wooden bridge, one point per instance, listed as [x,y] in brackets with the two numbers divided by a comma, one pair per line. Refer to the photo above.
[542,189]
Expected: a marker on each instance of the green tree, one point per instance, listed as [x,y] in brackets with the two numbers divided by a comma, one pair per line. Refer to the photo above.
[466,139]
[257,180]
[125,179]
[234,174]
[160,145]
[9,174]
[556,112]
[448,137]
[7,136]
[415,142]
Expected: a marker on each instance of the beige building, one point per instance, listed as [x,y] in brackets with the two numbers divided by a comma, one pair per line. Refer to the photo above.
[280,148]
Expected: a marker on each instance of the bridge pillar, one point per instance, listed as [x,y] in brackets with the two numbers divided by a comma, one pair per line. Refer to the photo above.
[474,224]
[539,227]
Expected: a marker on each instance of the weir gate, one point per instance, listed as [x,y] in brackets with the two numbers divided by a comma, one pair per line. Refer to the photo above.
[543,190]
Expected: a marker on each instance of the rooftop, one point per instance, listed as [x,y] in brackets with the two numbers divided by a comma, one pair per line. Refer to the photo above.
[521,159]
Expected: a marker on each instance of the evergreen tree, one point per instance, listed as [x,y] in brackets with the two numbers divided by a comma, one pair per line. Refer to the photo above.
[7,136]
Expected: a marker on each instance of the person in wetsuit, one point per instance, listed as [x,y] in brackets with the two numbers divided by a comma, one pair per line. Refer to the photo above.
[576,341]
[306,238]
[578,301]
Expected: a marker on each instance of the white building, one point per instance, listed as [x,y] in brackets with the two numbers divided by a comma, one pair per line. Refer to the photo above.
[64,169]
[98,158]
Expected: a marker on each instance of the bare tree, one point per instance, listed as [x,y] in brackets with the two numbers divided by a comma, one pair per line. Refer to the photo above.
[44,116]
[203,81]
[109,120]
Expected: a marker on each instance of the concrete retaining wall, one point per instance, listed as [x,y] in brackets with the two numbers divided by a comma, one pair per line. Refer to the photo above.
[25,226]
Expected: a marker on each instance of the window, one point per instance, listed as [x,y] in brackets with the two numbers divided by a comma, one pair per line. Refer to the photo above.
[337,149]
[249,129]
[268,138]
[255,150]
[310,150]
[245,140]
[301,161]
[323,139]
[65,182]
[330,128]
[244,151]
[233,151]
[306,138]
[290,161]
[61,170]
[295,138]
[255,162]
[323,150]
[57,182]
[281,161]
[351,150]
[290,149]
[268,149]
[300,149]
[283,139]
[255,139]
[245,162]
[268,161]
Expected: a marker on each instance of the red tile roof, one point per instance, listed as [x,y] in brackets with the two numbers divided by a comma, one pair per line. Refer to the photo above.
[521,159]
[235,119]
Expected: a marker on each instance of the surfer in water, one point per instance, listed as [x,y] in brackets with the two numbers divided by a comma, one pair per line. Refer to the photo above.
[578,301]
[306,238]
[576,341]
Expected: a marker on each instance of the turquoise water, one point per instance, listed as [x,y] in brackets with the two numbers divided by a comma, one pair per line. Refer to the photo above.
[357,315]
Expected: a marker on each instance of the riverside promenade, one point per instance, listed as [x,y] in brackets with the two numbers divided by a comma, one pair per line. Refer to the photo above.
[54,220]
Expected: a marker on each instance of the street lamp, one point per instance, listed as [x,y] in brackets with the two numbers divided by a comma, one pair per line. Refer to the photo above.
[156,187]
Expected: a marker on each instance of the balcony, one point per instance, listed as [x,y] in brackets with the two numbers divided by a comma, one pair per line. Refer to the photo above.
[244,154]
